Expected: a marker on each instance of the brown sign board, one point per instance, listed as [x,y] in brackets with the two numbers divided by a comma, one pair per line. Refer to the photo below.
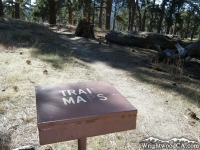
[77,110]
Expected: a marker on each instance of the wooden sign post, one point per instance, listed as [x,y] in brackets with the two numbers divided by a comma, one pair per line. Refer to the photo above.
[80,110]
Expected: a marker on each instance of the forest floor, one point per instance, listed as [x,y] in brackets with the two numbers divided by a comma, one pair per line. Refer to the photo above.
[163,99]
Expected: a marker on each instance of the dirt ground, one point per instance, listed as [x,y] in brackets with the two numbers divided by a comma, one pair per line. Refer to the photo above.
[161,113]
[163,100]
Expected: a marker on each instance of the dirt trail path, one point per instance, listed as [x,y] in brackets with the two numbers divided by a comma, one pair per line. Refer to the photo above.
[161,114]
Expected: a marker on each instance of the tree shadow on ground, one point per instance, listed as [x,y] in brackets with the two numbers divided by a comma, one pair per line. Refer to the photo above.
[136,61]
[44,42]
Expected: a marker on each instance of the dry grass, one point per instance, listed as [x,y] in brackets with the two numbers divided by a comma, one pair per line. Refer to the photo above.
[18,106]
[18,33]
[18,79]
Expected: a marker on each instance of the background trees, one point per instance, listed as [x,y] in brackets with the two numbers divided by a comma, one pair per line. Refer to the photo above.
[1,8]
[176,17]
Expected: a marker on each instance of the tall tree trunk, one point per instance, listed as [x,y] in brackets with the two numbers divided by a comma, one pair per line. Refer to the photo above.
[86,9]
[139,16]
[151,19]
[100,14]
[188,24]
[88,13]
[108,13]
[52,12]
[129,18]
[193,32]
[161,16]
[174,28]
[13,9]
[69,6]
[93,12]
[1,9]
[144,19]
[17,16]
[150,24]
[175,22]
[132,14]
[168,28]
[170,15]
[115,11]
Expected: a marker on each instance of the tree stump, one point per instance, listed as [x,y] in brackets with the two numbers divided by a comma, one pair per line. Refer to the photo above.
[85,29]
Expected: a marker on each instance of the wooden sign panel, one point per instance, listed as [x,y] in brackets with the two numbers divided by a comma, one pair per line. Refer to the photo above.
[77,110]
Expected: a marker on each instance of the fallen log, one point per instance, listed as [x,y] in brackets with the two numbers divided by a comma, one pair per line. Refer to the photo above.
[187,53]
[168,47]
[144,39]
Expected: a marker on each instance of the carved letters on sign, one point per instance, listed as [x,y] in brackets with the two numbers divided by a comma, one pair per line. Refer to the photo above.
[77,98]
